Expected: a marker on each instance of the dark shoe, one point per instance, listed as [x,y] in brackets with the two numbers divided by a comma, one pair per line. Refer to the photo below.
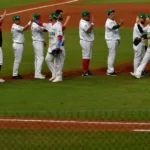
[144,73]
[112,74]
[17,77]
[88,73]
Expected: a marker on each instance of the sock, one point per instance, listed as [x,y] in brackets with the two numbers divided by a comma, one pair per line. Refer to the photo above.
[85,64]
[0,67]
[88,63]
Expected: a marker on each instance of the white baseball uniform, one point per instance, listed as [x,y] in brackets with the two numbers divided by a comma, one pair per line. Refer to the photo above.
[139,50]
[1,53]
[146,57]
[86,39]
[63,54]
[54,31]
[18,46]
[112,38]
[38,45]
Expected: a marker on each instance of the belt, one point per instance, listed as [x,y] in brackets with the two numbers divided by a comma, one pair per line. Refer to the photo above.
[18,43]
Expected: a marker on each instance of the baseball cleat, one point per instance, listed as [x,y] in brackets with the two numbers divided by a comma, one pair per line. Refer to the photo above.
[52,78]
[88,73]
[134,75]
[39,77]
[17,77]
[112,74]
[2,81]
[57,80]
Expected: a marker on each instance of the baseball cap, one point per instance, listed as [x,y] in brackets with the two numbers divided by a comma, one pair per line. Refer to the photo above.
[16,17]
[148,15]
[54,15]
[85,13]
[142,15]
[36,16]
[109,11]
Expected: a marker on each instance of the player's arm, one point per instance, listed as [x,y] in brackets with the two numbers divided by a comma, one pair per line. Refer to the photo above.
[89,30]
[26,27]
[59,37]
[2,17]
[118,25]
[66,23]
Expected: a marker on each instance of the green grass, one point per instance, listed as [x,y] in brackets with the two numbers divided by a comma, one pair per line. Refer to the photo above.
[72,140]
[112,1]
[8,3]
[75,93]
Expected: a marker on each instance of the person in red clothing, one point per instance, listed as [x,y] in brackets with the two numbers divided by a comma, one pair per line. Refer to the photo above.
[2,17]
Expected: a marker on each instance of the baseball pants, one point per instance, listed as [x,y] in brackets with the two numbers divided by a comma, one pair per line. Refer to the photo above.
[1,56]
[18,51]
[86,49]
[62,60]
[143,63]
[139,52]
[112,49]
[55,68]
[39,56]
[1,52]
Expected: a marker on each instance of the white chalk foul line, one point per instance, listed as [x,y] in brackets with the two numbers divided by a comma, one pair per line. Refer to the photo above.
[74,121]
[45,6]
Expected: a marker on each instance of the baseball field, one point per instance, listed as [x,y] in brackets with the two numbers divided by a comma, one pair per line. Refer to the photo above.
[80,113]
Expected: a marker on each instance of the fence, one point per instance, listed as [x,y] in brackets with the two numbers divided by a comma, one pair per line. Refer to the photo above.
[75,130]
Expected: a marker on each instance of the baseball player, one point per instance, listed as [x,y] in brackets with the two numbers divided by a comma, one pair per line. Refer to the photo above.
[112,38]
[139,50]
[54,29]
[38,45]
[1,40]
[60,20]
[139,71]
[86,40]
[18,43]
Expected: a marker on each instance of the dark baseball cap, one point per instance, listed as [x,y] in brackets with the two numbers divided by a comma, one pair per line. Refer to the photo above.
[36,15]
[16,17]
[85,13]
[109,11]
[142,15]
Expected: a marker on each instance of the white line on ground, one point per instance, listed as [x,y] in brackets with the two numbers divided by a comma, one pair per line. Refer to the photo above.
[141,130]
[75,121]
[51,5]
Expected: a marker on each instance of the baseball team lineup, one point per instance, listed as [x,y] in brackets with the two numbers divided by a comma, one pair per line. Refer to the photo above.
[55,57]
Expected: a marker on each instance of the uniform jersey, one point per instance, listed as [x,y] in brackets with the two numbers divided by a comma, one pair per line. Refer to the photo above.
[63,35]
[147,29]
[17,33]
[111,34]
[83,27]
[136,32]
[54,31]
[37,32]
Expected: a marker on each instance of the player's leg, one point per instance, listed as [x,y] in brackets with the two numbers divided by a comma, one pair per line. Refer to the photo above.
[1,63]
[1,55]
[39,58]
[143,64]
[49,60]
[58,69]
[138,55]
[86,56]
[18,51]
[112,48]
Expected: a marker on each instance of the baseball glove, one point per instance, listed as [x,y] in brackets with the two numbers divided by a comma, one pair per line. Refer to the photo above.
[136,41]
[56,52]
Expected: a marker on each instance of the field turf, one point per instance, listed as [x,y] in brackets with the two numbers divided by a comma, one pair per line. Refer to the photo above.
[4,4]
